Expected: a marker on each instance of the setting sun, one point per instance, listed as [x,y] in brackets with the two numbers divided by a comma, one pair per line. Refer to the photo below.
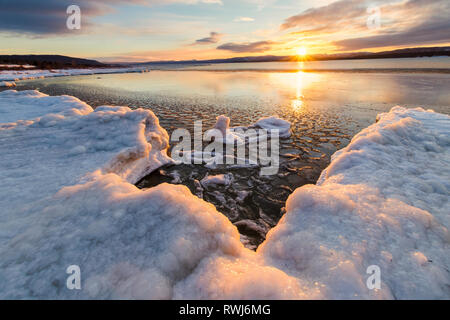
[301,51]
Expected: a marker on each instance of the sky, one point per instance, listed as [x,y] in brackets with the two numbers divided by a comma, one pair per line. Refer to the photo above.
[152,30]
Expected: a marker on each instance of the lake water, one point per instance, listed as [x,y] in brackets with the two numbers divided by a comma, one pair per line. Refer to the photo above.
[326,109]
[407,64]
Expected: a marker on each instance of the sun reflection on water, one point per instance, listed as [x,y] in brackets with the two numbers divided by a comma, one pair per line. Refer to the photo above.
[297,103]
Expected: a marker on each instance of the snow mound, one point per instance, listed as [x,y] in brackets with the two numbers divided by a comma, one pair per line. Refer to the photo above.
[48,151]
[7,84]
[128,243]
[31,104]
[242,277]
[222,125]
[383,200]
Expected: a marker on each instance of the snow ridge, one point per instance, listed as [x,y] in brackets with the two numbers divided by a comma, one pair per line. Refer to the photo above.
[383,200]
[17,75]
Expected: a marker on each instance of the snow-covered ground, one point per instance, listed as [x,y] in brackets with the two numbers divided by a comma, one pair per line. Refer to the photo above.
[26,66]
[67,198]
[7,84]
[383,200]
[17,75]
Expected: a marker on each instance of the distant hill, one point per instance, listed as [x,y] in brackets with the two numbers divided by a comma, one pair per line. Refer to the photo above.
[400,53]
[64,62]
[50,61]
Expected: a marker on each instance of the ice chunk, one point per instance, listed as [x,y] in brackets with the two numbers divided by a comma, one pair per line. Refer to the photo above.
[272,123]
[222,124]
[220,179]
[223,127]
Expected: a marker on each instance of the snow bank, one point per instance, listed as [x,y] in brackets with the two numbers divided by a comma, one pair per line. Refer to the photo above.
[66,199]
[16,65]
[45,151]
[30,104]
[383,200]
[16,75]
[128,243]
[7,84]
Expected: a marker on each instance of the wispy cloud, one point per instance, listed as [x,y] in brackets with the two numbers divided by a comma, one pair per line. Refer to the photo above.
[214,37]
[244,19]
[261,4]
[207,1]
[327,16]
[429,33]
[162,55]
[409,22]
[259,46]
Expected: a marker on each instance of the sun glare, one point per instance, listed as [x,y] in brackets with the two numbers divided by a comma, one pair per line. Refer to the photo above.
[301,52]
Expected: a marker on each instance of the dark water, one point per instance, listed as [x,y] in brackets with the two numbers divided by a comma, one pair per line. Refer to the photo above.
[326,110]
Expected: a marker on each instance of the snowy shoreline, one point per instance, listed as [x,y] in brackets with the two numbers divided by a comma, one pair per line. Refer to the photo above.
[8,78]
[67,175]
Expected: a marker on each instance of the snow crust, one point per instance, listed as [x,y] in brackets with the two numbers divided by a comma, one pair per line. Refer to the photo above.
[383,200]
[16,65]
[16,75]
[7,84]
[67,198]
[44,151]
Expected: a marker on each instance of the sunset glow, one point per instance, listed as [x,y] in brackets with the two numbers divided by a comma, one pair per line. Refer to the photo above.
[185,29]
[301,52]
